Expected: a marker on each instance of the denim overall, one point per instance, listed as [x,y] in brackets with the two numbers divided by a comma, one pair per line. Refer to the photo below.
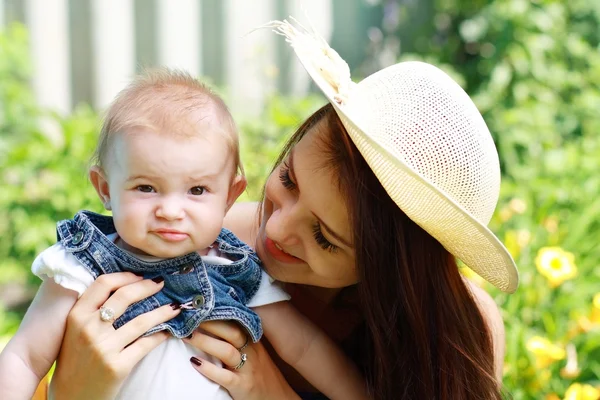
[206,291]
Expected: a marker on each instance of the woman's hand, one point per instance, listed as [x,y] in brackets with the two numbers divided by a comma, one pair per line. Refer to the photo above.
[258,378]
[95,358]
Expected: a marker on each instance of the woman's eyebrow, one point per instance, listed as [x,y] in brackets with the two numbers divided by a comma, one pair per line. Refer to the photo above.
[323,224]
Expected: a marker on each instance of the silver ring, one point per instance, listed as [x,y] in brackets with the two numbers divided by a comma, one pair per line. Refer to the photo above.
[244,346]
[107,314]
[243,358]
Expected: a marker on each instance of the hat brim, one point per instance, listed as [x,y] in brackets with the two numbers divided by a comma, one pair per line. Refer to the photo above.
[454,227]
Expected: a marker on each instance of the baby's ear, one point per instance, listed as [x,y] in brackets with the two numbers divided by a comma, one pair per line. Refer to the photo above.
[238,185]
[100,183]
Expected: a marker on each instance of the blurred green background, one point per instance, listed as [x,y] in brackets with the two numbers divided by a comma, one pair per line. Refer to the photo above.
[533,69]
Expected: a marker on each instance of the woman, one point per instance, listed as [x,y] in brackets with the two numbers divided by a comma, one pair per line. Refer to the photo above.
[363,216]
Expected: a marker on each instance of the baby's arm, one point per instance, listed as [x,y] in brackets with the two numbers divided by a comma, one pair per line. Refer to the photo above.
[29,355]
[311,352]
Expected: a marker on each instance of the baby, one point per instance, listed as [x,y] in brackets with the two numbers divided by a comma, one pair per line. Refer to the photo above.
[167,165]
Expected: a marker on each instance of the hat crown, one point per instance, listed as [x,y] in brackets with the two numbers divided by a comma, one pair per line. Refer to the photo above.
[420,115]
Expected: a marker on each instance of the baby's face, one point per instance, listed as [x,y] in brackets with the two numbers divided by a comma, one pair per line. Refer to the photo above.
[168,193]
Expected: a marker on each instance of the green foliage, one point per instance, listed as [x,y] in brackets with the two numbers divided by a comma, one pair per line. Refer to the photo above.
[43,181]
[17,105]
[17,111]
[557,207]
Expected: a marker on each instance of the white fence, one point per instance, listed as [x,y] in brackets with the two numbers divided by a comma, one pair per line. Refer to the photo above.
[86,50]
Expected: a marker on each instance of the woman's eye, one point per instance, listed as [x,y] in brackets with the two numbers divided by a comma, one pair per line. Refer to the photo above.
[322,240]
[145,189]
[197,190]
[284,177]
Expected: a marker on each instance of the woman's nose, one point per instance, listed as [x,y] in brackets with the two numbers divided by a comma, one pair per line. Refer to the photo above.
[283,224]
[170,208]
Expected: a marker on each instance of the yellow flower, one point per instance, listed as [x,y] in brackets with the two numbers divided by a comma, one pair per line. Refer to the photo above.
[544,351]
[595,317]
[584,324]
[556,265]
[577,391]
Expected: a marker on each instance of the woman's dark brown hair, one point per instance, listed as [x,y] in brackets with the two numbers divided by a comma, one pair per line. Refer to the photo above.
[426,337]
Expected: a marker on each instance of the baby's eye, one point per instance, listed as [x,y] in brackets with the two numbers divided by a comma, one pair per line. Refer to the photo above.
[145,189]
[197,190]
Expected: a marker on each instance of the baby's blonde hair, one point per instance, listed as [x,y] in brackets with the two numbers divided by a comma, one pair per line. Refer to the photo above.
[165,100]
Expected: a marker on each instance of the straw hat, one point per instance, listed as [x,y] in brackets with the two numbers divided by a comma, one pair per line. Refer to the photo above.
[427,144]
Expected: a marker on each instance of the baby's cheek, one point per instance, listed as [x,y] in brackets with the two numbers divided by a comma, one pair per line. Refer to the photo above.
[208,226]
[128,225]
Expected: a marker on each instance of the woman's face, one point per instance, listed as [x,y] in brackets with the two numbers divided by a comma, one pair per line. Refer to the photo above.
[305,233]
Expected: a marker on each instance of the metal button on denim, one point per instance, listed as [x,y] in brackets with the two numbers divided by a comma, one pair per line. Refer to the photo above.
[77,238]
[198,301]
[186,269]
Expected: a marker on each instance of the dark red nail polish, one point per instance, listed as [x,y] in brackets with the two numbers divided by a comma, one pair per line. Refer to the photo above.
[190,336]
[175,305]
[195,361]
[158,279]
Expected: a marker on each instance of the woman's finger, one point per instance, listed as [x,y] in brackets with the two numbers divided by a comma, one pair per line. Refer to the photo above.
[224,351]
[102,287]
[129,294]
[229,331]
[143,346]
[220,376]
[135,328]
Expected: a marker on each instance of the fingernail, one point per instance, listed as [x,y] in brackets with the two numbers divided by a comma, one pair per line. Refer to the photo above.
[190,336]
[175,305]
[195,361]
[158,279]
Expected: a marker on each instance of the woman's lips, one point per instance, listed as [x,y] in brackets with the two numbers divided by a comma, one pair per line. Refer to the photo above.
[278,254]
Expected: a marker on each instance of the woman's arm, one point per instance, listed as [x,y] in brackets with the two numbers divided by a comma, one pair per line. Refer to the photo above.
[29,355]
[308,350]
